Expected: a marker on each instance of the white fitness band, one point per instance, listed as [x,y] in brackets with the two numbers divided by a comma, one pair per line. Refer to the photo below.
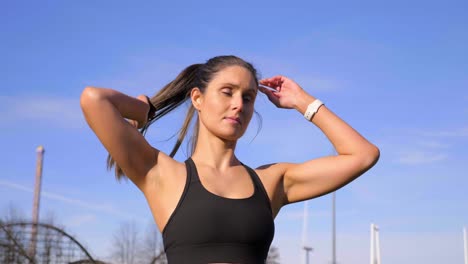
[312,109]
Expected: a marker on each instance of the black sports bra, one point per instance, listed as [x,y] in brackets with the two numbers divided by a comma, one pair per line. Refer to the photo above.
[207,228]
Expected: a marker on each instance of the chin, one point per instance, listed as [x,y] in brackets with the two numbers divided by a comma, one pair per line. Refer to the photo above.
[233,136]
[228,132]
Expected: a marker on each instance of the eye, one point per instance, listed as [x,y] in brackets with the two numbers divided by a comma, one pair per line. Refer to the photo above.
[227,92]
[248,98]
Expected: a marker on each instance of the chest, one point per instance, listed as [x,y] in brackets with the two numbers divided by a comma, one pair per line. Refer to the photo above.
[205,218]
[237,184]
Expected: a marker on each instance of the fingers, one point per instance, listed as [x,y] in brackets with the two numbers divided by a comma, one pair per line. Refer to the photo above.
[142,98]
[133,123]
[274,81]
[268,88]
[272,95]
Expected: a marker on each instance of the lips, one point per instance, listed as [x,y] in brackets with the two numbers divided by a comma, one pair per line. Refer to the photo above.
[235,119]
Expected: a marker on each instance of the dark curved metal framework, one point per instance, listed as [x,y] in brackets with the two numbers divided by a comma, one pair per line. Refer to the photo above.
[53,245]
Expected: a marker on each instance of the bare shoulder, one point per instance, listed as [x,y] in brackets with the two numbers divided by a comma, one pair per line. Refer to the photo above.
[165,185]
[271,176]
[166,174]
[270,173]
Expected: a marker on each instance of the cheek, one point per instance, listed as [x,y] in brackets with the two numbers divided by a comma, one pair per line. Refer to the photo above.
[213,110]
[216,104]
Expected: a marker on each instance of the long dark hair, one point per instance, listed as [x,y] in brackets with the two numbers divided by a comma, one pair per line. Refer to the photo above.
[178,91]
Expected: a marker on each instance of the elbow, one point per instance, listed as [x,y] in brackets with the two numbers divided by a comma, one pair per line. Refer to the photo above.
[375,154]
[371,156]
[89,95]
[367,157]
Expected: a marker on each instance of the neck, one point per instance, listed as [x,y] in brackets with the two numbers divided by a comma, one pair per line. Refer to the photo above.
[215,152]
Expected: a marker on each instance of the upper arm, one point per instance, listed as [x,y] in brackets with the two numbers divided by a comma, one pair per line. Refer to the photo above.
[125,144]
[320,176]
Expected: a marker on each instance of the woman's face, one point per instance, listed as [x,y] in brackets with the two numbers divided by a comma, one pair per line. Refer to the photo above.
[227,105]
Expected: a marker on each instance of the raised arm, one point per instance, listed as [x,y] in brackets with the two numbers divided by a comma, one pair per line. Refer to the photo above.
[105,111]
[319,176]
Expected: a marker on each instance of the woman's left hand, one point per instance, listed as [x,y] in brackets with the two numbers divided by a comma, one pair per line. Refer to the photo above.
[136,124]
[287,92]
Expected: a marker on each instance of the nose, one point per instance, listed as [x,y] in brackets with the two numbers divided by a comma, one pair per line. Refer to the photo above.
[238,103]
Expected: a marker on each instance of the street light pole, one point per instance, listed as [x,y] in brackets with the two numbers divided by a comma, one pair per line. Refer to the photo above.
[334,220]
[334,228]
[375,245]
[37,198]
[305,245]
[465,243]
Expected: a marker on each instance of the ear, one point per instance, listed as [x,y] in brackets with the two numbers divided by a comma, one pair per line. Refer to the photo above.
[197,97]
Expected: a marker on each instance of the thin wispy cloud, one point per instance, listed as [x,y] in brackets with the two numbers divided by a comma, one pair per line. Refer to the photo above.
[433,144]
[456,132]
[422,147]
[420,157]
[54,111]
[81,220]
[76,202]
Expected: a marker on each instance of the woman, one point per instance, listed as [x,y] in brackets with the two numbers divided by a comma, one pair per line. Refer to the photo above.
[212,208]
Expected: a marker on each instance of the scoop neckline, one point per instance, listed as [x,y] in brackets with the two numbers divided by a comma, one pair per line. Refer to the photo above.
[222,197]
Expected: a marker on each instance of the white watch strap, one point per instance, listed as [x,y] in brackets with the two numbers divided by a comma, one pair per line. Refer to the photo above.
[312,109]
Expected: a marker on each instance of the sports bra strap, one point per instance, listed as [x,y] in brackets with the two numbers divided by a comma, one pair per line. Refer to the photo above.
[192,170]
[258,183]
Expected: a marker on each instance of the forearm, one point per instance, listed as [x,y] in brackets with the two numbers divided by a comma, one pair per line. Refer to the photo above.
[345,139]
[129,107]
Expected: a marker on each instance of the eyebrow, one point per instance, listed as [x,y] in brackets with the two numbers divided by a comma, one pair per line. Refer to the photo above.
[253,91]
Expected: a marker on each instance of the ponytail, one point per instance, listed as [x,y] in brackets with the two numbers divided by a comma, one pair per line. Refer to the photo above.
[167,99]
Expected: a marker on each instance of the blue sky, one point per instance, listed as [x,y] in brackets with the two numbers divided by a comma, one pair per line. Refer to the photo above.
[395,71]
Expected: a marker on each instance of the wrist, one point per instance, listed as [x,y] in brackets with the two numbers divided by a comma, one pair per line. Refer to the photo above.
[303,102]
[312,109]
[151,110]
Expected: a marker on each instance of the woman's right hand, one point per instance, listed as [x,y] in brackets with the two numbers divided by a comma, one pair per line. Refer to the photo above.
[288,93]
